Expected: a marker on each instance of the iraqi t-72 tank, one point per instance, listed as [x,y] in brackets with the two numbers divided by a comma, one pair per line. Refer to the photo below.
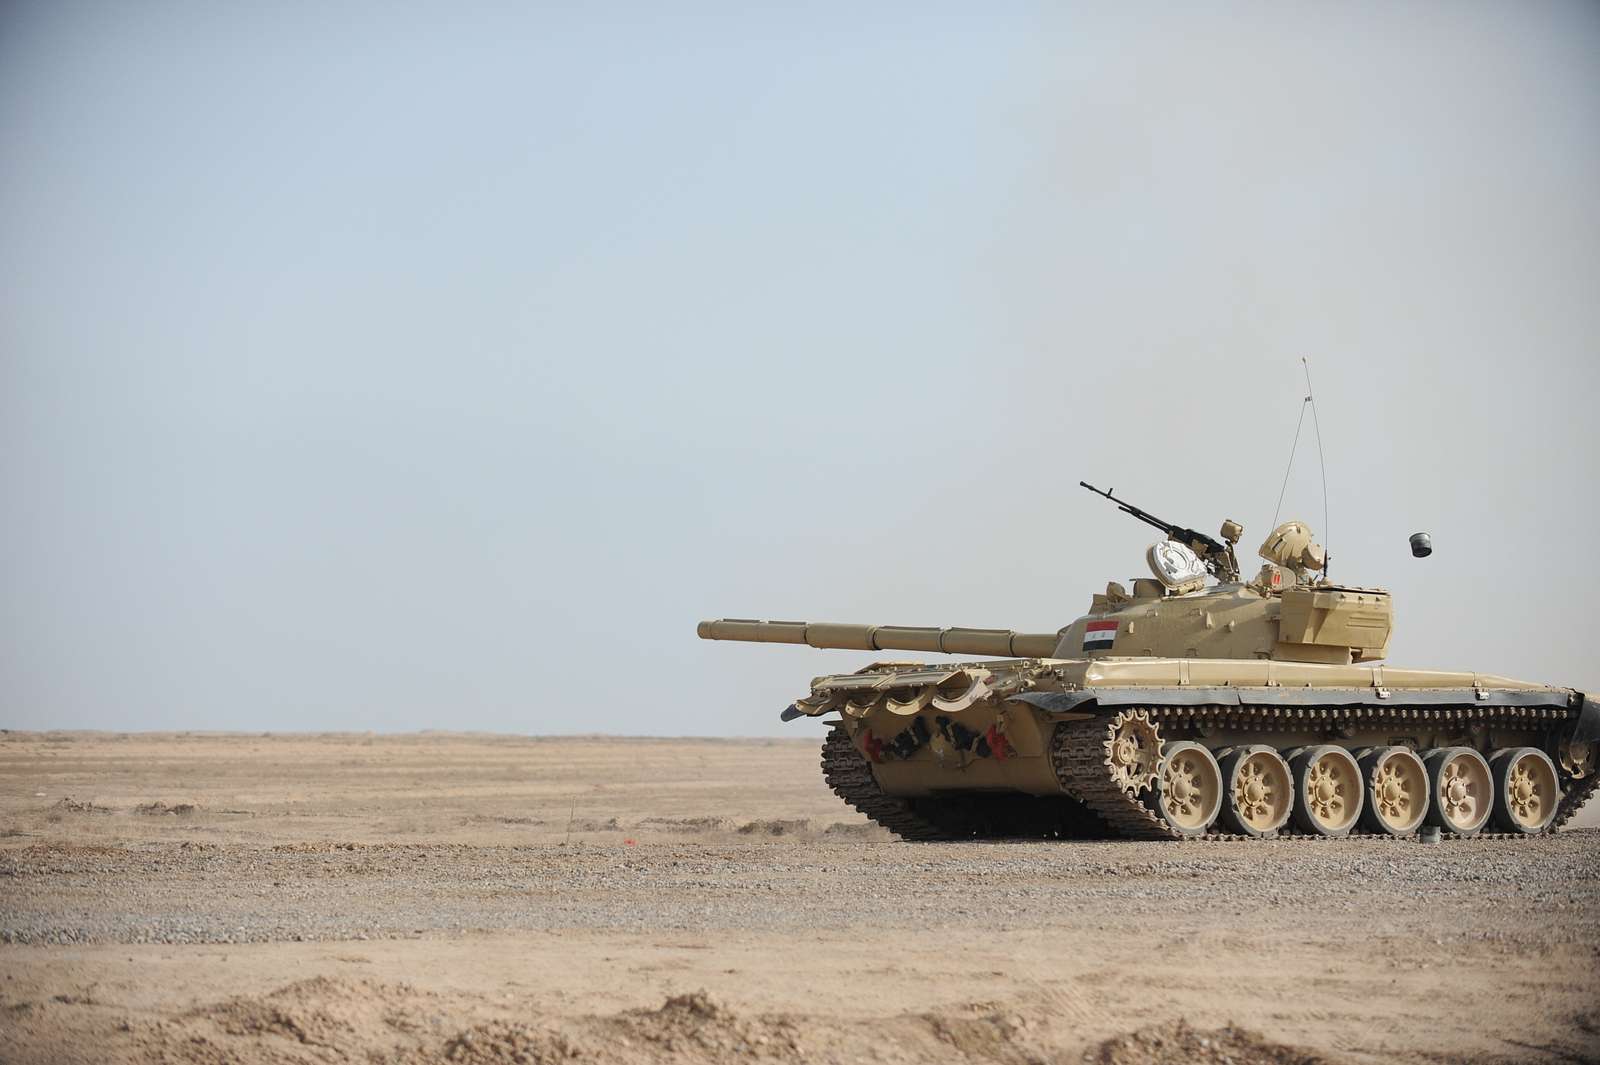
[1197,705]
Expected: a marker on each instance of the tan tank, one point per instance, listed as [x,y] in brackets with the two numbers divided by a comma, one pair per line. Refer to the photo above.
[1198,704]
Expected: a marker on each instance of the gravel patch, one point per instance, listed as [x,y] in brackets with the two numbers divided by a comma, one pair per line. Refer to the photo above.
[211,893]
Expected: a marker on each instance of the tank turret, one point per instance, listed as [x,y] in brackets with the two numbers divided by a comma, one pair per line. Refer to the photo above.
[1282,614]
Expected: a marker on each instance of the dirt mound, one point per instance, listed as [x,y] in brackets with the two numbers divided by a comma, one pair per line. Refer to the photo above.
[684,824]
[158,809]
[981,1030]
[67,804]
[306,1012]
[695,1027]
[502,1043]
[321,1020]
[774,828]
[517,820]
[1179,1044]
[336,1019]
[590,824]
[312,1020]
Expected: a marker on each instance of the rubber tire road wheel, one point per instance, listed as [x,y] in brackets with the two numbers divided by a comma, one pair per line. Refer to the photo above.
[1188,791]
[1269,804]
[1399,772]
[1456,774]
[1328,790]
[1524,778]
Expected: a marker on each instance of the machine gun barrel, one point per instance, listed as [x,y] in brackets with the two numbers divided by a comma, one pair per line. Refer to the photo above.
[999,643]
[1203,544]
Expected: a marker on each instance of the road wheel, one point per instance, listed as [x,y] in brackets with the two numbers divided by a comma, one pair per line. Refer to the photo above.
[1327,790]
[1525,790]
[1460,790]
[1397,790]
[1189,788]
[1258,791]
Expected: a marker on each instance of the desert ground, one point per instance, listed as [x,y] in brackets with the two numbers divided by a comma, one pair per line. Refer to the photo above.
[469,898]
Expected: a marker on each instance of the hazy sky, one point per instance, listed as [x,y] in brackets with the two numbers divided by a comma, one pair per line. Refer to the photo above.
[376,366]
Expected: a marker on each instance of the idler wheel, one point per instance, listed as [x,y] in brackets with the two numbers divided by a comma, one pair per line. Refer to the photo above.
[1577,758]
[1258,791]
[1525,790]
[1460,790]
[1327,790]
[1397,790]
[1189,788]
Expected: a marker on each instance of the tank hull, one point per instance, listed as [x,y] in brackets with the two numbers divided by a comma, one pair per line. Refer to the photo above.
[1155,748]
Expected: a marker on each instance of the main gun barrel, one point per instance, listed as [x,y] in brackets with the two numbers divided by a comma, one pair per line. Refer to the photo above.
[999,643]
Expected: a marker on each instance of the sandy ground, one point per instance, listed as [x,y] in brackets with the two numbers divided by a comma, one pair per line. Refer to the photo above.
[200,898]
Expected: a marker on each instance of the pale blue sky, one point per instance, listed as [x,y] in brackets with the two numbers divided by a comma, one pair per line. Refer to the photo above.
[408,366]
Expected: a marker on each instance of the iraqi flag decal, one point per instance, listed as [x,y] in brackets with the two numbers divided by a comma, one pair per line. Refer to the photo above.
[1099,635]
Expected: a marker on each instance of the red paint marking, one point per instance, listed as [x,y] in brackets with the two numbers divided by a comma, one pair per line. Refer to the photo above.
[629,842]
[873,746]
[1100,626]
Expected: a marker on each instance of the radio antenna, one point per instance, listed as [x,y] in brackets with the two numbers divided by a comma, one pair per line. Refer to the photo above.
[1316,423]
[1309,401]
[1289,468]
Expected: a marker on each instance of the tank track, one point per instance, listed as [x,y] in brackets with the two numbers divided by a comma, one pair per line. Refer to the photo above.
[1080,752]
[850,776]
[958,816]
[1574,799]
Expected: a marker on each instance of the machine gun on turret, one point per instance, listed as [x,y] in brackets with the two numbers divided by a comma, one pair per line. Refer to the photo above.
[1217,557]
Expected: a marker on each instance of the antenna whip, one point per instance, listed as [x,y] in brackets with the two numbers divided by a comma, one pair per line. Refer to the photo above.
[1317,424]
[1289,468]
[1309,401]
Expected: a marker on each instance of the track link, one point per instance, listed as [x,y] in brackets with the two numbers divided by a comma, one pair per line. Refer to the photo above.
[1580,793]
[849,774]
[1081,754]
[959,815]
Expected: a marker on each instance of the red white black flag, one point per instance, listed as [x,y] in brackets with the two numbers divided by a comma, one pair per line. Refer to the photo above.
[1098,635]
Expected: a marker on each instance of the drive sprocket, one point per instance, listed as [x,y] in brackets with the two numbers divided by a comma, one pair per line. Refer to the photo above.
[1133,751]
[1107,764]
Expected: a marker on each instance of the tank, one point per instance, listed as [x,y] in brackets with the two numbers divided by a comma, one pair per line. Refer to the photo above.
[1197,705]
